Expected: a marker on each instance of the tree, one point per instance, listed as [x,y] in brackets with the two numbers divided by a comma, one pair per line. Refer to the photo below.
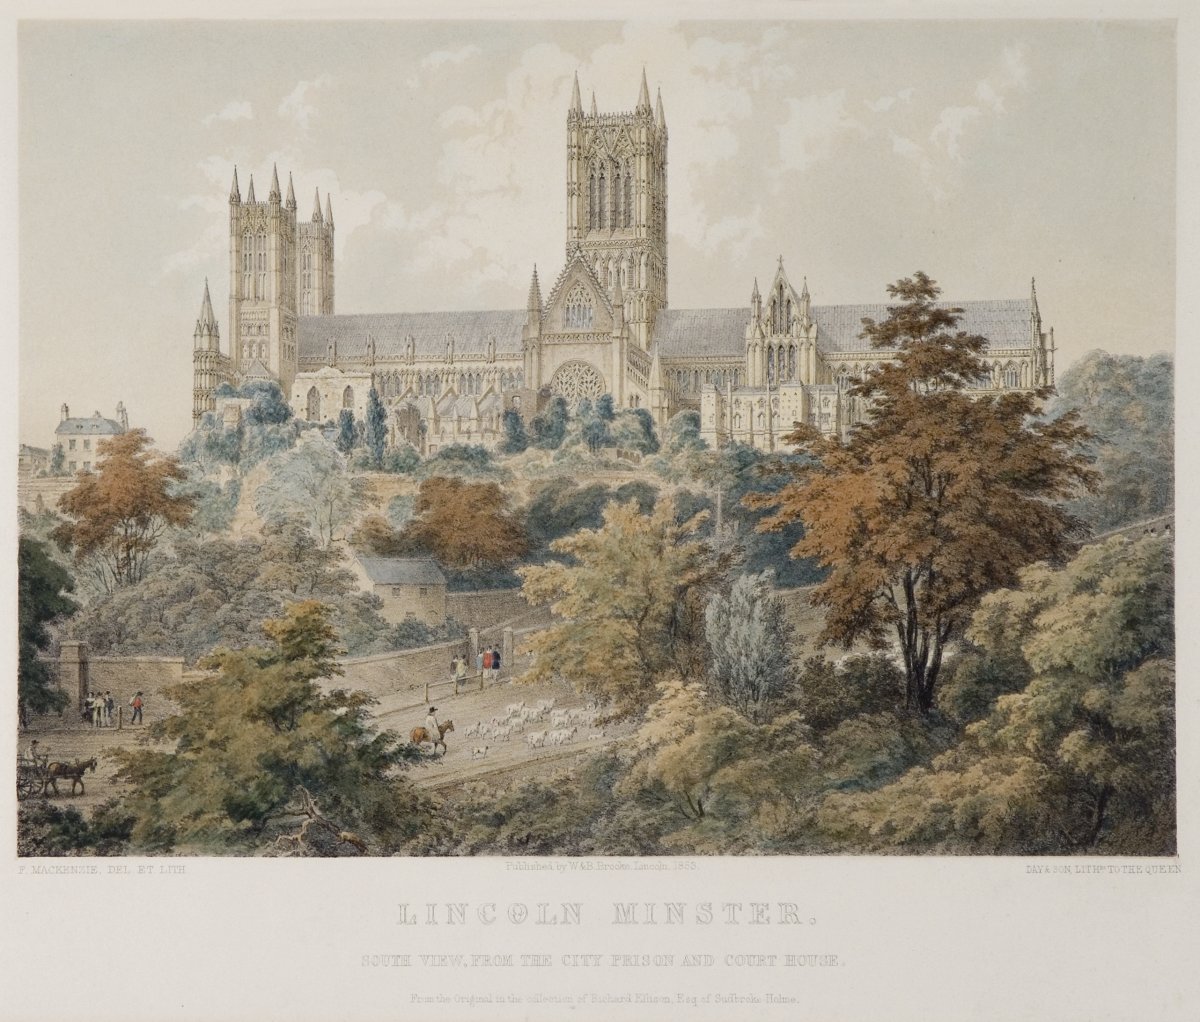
[1128,403]
[749,639]
[1083,756]
[310,483]
[465,524]
[119,512]
[515,439]
[58,460]
[259,749]
[375,429]
[630,604]
[634,428]
[42,585]
[605,408]
[941,497]
[347,435]
[550,427]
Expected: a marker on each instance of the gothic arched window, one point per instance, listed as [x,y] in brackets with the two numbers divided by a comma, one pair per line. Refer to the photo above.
[247,263]
[628,203]
[592,224]
[601,202]
[578,310]
[348,397]
[313,411]
[306,308]
[260,258]
[1012,377]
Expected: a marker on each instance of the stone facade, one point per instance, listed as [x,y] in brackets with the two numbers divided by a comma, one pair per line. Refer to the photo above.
[80,438]
[604,327]
[411,588]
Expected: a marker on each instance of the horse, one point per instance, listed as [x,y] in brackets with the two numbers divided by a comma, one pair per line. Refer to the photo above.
[73,770]
[419,735]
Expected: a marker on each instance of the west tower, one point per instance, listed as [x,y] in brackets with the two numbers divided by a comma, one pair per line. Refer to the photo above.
[617,203]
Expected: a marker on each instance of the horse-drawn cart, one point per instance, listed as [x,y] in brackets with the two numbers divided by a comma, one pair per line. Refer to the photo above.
[39,777]
[32,777]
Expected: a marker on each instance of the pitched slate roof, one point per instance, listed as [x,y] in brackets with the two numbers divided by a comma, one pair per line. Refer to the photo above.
[1004,322]
[429,331]
[411,571]
[97,425]
[718,332]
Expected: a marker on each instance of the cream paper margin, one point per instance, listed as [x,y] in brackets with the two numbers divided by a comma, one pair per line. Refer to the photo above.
[916,938]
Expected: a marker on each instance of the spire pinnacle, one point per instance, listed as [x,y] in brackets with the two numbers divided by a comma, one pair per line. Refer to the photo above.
[328,210]
[291,197]
[593,102]
[316,206]
[644,95]
[273,195]
[535,292]
[250,190]
[754,294]
[576,105]
[804,289]
[659,116]
[207,323]
[235,193]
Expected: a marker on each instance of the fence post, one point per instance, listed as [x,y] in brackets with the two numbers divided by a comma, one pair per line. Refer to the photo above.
[426,693]
[506,648]
[120,717]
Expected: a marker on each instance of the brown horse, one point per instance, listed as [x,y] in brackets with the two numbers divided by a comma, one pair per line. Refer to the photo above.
[73,770]
[420,735]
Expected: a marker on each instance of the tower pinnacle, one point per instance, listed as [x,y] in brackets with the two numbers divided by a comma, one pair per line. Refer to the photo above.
[273,195]
[250,190]
[643,104]
[576,105]
[235,194]
[316,217]
[593,102]
[328,210]
[659,116]
[291,196]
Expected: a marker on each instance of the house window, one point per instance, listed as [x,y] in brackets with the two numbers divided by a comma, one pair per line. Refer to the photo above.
[424,591]
[87,445]
[71,465]
[397,590]
[71,446]
[87,466]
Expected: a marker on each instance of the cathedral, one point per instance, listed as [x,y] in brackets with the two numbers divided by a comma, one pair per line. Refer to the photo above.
[604,326]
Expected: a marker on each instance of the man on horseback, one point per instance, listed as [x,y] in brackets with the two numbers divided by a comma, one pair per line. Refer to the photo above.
[432,727]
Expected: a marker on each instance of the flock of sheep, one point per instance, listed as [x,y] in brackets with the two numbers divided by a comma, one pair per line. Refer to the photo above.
[559,726]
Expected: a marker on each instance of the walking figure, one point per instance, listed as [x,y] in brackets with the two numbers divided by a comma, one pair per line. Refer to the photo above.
[136,703]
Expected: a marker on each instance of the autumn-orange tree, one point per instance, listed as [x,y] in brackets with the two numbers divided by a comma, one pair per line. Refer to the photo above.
[465,524]
[119,511]
[944,495]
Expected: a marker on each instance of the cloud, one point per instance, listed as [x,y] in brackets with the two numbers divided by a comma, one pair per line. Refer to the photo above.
[885,103]
[948,132]
[440,58]
[295,105]
[236,110]
[813,128]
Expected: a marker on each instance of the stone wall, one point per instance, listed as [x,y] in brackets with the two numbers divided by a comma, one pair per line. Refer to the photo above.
[79,674]
[485,608]
[404,671]
[44,489]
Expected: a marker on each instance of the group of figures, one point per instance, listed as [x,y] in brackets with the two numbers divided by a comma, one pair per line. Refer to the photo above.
[98,710]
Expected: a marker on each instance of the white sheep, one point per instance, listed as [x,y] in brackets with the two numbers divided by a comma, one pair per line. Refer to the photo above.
[479,752]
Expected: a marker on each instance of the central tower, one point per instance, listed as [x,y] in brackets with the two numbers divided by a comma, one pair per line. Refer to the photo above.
[617,204]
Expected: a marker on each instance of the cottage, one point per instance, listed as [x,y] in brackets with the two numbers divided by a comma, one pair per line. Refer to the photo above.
[412,588]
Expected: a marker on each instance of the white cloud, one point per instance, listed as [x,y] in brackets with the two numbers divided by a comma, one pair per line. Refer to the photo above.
[296,106]
[885,103]
[814,127]
[440,58]
[948,132]
[235,110]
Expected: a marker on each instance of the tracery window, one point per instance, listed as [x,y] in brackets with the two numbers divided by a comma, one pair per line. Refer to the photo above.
[247,263]
[578,313]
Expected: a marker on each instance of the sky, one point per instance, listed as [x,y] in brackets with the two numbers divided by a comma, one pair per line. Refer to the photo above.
[985,153]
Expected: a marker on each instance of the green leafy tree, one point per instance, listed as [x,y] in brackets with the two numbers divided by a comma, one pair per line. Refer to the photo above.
[118,513]
[941,497]
[550,427]
[605,409]
[347,435]
[310,483]
[375,428]
[750,640]
[42,585]
[1128,403]
[515,439]
[629,605]
[1082,758]
[264,759]
[58,460]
